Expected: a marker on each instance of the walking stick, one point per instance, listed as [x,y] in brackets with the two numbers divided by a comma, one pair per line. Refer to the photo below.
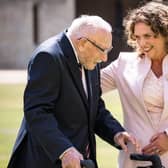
[87,164]
[155,159]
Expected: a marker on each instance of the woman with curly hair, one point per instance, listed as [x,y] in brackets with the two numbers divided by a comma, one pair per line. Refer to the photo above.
[141,78]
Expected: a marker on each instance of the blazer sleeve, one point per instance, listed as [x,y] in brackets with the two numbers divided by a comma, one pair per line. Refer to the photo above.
[41,95]
[106,125]
[109,76]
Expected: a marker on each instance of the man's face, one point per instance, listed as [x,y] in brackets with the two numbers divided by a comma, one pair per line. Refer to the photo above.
[95,49]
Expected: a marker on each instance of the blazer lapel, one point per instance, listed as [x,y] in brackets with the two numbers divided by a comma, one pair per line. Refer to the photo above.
[72,66]
[165,85]
[143,69]
[89,86]
[75,73]
[138,71]
[92,87]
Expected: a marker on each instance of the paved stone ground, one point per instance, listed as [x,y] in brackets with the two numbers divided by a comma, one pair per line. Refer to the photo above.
[13,76]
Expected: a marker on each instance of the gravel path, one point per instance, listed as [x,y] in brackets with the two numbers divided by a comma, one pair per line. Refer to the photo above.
[13,76]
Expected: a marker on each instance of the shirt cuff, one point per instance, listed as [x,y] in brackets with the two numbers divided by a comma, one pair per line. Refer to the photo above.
[166,131]
[116,137]
[61,156]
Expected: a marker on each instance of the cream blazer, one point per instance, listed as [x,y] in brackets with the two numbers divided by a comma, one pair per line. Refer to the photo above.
[127,74]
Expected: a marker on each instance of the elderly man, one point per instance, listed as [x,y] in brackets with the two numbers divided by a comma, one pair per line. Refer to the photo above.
[63,109]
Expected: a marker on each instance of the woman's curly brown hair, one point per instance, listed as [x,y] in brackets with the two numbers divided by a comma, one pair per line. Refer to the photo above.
[153,14]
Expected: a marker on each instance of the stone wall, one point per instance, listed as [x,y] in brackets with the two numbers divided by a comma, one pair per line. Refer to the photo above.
[26,23]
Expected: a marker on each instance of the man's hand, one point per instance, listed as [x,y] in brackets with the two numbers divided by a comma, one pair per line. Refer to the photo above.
[71,159]
[122,138]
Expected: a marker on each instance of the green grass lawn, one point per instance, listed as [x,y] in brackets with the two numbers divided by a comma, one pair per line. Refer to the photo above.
[11,112]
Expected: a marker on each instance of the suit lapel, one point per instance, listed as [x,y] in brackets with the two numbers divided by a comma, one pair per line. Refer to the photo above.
[75,73]
[143,69]
[92,87]
[72,66]
[89,86]
[165,86]
[138,71]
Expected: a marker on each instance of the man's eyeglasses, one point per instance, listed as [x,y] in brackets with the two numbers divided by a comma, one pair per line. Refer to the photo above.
[105,51]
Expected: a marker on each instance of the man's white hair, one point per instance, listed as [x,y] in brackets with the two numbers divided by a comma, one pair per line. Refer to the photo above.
[80,26]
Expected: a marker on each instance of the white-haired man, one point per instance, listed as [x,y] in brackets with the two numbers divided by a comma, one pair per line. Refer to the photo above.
[63,109]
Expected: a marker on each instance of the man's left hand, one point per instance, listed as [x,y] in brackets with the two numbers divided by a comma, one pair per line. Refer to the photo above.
[122,138]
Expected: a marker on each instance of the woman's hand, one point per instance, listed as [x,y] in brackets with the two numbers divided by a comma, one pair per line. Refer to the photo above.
[158,144]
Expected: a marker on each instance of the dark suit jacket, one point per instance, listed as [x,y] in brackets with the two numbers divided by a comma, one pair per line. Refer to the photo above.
[57,113]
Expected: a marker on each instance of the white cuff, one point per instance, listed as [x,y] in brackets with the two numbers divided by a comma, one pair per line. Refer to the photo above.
[166,131]
[61,156]
[116,138]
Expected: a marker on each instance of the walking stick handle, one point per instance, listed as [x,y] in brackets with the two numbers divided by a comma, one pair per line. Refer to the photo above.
[87,164]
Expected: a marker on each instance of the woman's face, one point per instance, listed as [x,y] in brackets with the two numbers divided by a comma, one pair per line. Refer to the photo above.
[148,43]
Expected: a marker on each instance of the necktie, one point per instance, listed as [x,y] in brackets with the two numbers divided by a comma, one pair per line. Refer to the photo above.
[79,65]
[80,69]
[83,78]
[87,151]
